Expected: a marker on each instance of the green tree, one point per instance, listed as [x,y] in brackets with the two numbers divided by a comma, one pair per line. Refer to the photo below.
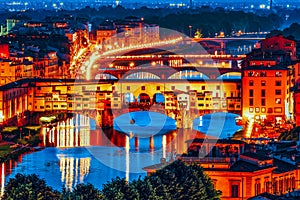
[82,192]
[29,187]
[119,189]
[184,181]
[150,189]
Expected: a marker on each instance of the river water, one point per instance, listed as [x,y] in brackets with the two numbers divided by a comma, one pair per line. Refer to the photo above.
[79,152]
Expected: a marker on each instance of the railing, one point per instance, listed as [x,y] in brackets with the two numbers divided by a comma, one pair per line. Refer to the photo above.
[206,159]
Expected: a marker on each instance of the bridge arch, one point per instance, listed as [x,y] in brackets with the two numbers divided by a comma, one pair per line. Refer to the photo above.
[158,98]
[141,75]
[189,74]
[129,97]
[102,76]
[144,98]
[230,75]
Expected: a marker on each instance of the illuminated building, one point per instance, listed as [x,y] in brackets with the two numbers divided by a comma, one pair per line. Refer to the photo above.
[242,171]
[4,51]
[98,98]
[267,76]
[129,32]
[266,92]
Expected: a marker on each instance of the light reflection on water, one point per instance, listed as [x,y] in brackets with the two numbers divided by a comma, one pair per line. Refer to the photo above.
[77,153]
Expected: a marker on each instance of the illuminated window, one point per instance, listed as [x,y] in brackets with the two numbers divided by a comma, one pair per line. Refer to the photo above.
[278,110]
[251,73]
[278,74]
[263,110]
[251,83]
[257,109]
[278,101]
[251,109]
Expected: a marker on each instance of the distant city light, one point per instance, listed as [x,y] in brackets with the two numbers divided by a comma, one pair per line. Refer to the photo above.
[262,6]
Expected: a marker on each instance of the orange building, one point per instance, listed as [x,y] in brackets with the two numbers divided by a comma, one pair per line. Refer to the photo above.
[267,76]
[242,171]
[266,92]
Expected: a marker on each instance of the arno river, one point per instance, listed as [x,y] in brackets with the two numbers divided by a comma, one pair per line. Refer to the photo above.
[78,152]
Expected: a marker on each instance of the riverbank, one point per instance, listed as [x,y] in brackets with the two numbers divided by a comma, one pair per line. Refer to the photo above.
[9,151]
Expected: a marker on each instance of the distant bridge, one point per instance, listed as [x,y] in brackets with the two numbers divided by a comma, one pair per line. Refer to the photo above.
[166,72]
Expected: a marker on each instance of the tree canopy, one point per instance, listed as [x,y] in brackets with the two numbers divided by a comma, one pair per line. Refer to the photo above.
[175,181]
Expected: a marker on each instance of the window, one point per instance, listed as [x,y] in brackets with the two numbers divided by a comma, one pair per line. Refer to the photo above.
[277,92]
[263,74]
[278,74]
[251,110]
[157,87]
[251,73]
[250,93]
[203,87]
[251,83]
[217,87]
[278,101]
[257,109]
[263,93]
[187,87]
[128,88]
[263,83]
[251,102]
[234,191]
[263,110]
[257,188]
[143,88]
[277,83]
[263,102]
[172,87]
